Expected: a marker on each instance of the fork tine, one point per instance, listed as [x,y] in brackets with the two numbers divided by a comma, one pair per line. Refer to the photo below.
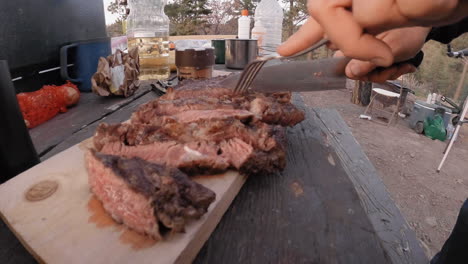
[252,69]
[251,76]
[248,76]
[244,76]
[248,70]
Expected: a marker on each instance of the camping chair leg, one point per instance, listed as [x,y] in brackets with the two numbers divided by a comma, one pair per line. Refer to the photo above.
[449,146]
[370,104]
[455,134]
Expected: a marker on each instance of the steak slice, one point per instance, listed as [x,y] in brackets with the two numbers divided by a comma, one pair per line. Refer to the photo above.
[196,89]
[144,195]
[160,107]
[258,134]
[272,112]
[193,157]
[190,116]
[199,147]
[273,109]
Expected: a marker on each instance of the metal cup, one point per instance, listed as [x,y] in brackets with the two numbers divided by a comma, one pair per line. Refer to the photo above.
[239,52]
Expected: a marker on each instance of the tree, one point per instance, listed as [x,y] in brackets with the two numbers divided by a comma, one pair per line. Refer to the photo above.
[240,5]
[119,7]
[222,13]
[295,15]
[440,73]
[187,17]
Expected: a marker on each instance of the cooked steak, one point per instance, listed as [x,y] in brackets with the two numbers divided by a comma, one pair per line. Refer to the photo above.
[137,168]
[273,109]
[188,127]
[193,157]
[145,195]
[201,146]
[196,89]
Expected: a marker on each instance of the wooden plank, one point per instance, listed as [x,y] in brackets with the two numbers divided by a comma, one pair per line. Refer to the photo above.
[70,226]
[309,213]
[313,211]
[89,109]
[397,238]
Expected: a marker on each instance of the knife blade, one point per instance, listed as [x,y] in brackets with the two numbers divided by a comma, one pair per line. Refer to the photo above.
[298,76]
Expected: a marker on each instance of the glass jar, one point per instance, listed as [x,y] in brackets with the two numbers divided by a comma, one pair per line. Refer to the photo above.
[148,29]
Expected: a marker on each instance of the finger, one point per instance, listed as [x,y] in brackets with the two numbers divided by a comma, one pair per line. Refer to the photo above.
[308,34]
[343,31]
[357,69]
[338,54]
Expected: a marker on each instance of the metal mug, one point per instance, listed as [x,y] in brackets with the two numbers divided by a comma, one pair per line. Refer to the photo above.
[85,60]
[239,52]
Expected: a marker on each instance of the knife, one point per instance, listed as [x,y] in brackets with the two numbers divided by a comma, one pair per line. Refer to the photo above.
[297,76]
[305,76]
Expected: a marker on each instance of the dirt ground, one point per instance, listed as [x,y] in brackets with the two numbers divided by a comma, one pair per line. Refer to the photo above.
[407,163]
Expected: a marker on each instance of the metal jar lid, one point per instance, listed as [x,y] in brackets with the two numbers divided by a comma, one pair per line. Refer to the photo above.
[195,58]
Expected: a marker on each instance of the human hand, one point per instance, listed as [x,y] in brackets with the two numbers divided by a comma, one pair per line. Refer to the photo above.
[352,26]
[404,43]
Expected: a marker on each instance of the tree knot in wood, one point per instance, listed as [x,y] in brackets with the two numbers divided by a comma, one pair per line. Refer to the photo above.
[41,190]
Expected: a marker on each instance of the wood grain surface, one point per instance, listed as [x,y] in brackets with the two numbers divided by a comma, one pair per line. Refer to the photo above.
[70,225]
[328,206]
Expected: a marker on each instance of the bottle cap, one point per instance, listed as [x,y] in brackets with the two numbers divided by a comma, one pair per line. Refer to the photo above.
[245,12]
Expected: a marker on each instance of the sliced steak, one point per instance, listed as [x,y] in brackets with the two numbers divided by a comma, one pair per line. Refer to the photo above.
[199,147]
[197,89]
[144,195]
[194,157]
[161,107]
[272,112]
[263,108]
[259,135]
[273,109]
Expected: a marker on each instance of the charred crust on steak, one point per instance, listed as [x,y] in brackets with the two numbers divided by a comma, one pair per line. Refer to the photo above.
[175,197]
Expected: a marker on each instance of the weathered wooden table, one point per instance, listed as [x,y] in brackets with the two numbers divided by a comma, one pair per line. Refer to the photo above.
[328,206]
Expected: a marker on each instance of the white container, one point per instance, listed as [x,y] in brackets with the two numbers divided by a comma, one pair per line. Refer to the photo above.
[433,98]
[243,25]
[270,14]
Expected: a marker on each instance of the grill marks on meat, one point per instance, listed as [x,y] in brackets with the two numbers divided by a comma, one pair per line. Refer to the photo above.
[145,195]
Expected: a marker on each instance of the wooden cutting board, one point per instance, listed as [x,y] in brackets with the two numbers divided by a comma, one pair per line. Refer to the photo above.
[53,213]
